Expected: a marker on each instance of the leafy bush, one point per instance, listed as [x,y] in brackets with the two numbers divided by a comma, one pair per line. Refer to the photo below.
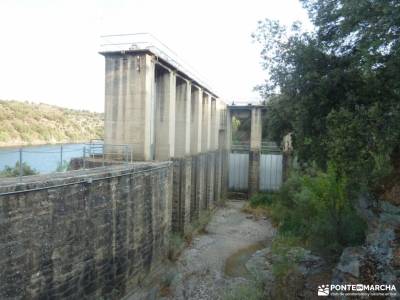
[62,167]
[261,199]
[317,210]
[249,291]
[287,253]
[14,171]
[176,244]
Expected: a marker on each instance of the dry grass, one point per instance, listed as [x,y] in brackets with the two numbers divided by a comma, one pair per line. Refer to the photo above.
[258,211]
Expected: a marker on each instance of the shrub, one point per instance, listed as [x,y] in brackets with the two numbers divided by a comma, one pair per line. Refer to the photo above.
[317,210]
[249,291]
[14,171]
[176,244]
[62,167]
[261,199]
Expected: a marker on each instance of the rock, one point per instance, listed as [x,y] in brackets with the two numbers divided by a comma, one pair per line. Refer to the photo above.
[393,195]
[298,282]
[348,267]
[259,265]
[378,260]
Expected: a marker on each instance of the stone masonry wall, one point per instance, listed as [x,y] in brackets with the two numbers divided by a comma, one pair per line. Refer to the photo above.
[207,183]
[182,184]
[90,236]
[210,179]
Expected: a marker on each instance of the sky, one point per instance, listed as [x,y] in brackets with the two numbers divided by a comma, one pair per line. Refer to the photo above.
[49,48]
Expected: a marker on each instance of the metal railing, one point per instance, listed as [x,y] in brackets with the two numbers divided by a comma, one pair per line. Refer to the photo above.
[240,146]
[33,160]
[147,41]
[266,147]
[270,147]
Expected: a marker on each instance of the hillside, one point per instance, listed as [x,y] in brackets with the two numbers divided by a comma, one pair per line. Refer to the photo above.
[24,123]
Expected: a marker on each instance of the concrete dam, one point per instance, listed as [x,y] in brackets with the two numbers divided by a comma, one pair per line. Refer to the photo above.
[98,233]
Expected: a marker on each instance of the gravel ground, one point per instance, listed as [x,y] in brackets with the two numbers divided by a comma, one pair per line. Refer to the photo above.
[199,271]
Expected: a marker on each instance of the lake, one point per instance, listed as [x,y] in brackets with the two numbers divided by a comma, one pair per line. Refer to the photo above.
[43,158]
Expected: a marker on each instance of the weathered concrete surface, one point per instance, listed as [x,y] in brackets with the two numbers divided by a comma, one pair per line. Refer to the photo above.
[200,269]
[165,101]
[84,234]
[254,172]
[255,150]
[182,186]
[128,97]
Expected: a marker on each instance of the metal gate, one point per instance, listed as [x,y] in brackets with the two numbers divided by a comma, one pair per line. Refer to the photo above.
[238,171]
[270,168]
[270,172]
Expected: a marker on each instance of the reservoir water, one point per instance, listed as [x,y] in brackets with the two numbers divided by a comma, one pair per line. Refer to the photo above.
[43,158]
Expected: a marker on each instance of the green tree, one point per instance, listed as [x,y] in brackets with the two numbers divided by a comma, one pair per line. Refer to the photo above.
[336,88]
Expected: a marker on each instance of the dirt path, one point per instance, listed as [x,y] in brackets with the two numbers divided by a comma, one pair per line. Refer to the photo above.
[232,236]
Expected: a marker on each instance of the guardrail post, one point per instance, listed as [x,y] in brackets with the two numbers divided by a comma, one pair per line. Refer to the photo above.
[20,164]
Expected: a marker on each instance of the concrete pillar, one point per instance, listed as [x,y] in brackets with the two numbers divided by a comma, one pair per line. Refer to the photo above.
[218,110]
[255,150]
[228,129]
[213,125]
[129,80]
[227,138]
[220,144]
[182,118]
[206,123]
[165,88]
[182,161]
[196,120]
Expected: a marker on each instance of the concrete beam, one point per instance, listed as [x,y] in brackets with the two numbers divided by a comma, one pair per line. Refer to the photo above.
[196,120]
[165,89]
[128,98]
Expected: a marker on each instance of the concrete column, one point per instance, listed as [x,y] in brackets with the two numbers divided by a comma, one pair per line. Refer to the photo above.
[227,137]
[213,125]
[129,81]
[165,114]
[217,122]
[228,129]
[220,132]
[206,123]
[182,118]
[196,120]
[255,150]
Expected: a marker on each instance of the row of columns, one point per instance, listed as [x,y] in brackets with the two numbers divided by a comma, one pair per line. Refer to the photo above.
[156,111]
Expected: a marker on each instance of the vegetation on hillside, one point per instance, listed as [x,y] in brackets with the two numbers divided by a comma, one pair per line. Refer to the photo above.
[28,123]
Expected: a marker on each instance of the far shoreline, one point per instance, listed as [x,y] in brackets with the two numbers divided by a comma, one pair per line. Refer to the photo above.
[41,143]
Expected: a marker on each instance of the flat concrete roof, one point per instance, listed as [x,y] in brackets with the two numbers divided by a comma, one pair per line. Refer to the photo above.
[146,43]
